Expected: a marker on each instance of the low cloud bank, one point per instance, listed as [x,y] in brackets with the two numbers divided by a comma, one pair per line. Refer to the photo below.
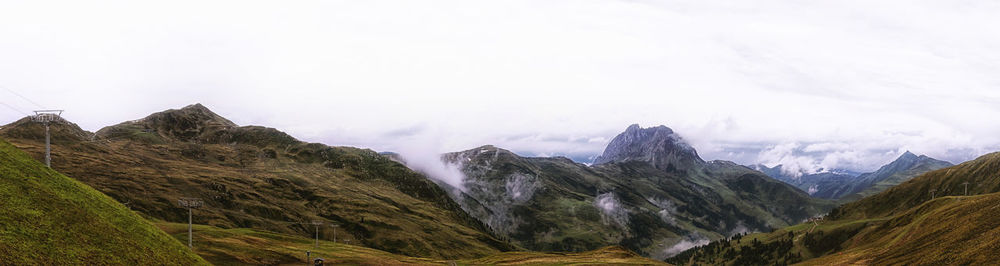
[688,242]
[422,155]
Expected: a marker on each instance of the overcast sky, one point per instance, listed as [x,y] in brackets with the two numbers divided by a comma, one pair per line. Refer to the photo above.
[812,84]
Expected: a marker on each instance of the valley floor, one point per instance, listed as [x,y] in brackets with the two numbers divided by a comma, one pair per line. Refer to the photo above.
[247,246]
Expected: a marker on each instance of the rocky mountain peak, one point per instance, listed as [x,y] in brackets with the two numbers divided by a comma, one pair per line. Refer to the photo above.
[660,146]
[907,160]
[183,124]
[194,115]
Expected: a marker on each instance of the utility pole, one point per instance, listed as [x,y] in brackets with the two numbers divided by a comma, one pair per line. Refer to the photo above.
[334,232]
[966,188]
[316,225]
[190,203]
[45,117]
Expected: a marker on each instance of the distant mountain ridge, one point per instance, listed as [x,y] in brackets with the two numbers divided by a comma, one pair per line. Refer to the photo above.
[904,168]
[941,217]
[649,192]
[847,187]
[824,185]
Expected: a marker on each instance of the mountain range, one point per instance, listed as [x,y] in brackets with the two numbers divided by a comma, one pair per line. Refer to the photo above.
[649,192]
[941,217]
[49,218]
[846,186]
[258,177]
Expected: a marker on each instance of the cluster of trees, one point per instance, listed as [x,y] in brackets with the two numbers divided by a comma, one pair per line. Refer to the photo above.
[821,242]
[735,251]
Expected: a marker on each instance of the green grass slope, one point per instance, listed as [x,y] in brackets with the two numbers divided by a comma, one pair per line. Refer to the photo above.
[982,174]
[953,230]
[243,246]
[47,218]
[900,226]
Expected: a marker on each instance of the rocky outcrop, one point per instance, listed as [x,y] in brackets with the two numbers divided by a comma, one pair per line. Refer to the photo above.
[659,146]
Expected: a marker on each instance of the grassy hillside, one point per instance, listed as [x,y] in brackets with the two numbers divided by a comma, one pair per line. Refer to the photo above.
[256,177]
[953,230]
[49,219]
[903,169]
[248,246]
[982,174]
[902,225]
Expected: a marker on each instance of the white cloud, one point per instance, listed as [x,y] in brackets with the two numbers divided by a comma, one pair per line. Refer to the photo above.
[613,211]
[733,78]
[825,147]
[688,242]
[788,156]
[420,150]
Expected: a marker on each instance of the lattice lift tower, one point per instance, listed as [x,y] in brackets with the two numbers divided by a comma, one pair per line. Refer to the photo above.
[45,117]
[190,203]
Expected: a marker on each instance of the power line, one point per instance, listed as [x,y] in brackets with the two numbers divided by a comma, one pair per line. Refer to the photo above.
[22,97]
[15,109]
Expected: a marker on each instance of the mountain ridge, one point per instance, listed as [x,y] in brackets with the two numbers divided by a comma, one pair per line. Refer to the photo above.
[258,177]
[926,220]
[646,198]
[847,187]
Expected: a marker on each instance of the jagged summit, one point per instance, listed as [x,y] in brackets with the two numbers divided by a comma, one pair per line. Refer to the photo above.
[660,146]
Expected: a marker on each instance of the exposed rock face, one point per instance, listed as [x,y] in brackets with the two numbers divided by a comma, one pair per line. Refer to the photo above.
[659,146]
[493,198]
